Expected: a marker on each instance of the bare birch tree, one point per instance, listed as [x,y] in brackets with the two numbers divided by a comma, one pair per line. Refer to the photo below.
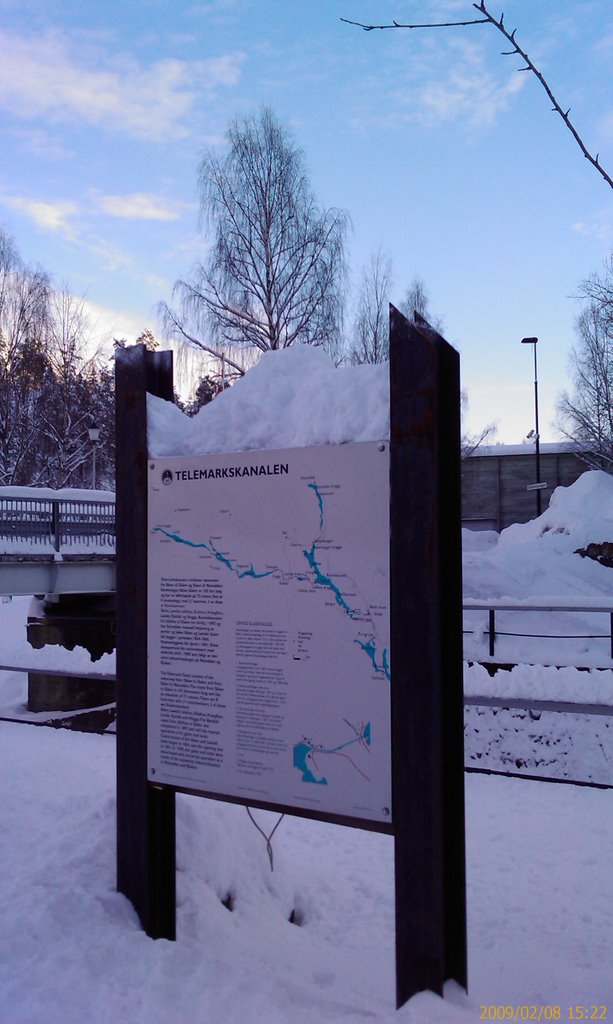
[371,328]
[275,271]
[586,415]
[416,305]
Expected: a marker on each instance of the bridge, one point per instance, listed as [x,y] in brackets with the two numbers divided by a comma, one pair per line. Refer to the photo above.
[56,544]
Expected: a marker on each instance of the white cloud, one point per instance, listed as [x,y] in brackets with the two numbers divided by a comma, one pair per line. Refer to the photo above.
[40,78]
[436,80]
[110,323]
[450,80]
[42,144]
[139,206]
[598,226]
[471,94]
[52,216]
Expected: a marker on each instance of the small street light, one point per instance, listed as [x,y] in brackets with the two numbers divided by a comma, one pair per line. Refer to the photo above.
[537,438]
[94,434]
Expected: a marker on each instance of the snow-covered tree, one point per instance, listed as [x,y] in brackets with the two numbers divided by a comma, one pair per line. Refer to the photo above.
[51,388]
[24,308]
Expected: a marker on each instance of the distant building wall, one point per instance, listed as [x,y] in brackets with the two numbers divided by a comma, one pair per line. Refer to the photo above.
[495,481]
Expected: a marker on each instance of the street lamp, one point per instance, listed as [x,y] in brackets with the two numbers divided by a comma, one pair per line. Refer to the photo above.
[94,434]
[538,487]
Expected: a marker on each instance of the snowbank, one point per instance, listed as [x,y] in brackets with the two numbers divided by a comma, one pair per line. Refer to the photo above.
[577,515]
[538,559]
[292,398]
[541,682]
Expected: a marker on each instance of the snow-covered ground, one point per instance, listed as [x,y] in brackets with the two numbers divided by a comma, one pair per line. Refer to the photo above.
[540,905]
[540,900]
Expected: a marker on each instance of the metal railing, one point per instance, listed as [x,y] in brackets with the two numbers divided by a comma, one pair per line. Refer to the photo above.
[60,522]
[579,607]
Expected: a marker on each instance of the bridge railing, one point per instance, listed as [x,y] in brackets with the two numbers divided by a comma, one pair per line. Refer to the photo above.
[61,523]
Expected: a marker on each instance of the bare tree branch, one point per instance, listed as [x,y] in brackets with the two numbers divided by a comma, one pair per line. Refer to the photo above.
[489,19]
[173,326]
[433,24]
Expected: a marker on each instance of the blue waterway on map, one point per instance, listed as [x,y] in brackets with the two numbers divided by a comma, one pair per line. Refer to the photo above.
[303,749]
[320,499]
[301,753]
[325,581]
[210,547]
[370,648]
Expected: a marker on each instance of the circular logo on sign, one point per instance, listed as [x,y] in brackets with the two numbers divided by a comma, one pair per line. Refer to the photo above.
[167,476]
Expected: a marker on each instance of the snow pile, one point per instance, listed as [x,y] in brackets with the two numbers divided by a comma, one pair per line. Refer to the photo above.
[292,398]
[577,515]
[479,540]
[541,682]
[538,559]
[548,745]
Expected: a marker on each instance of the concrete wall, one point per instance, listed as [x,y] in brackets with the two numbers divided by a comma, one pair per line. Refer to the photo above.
[494,483]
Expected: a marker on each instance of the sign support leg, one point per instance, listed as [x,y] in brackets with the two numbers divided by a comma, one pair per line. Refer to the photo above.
[145,813]
[426,643]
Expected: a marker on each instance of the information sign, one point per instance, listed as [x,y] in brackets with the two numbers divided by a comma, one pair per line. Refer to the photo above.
[268,623]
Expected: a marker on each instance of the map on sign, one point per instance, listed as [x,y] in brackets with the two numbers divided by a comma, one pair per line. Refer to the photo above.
[269,664]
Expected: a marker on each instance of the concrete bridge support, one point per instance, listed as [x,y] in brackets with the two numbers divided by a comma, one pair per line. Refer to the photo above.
[71,620]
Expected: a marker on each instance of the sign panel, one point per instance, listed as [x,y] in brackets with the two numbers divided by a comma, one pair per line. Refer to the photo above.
[268,646]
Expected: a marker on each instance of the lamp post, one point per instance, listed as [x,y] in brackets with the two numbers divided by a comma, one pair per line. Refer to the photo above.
[537,438]
[94,434]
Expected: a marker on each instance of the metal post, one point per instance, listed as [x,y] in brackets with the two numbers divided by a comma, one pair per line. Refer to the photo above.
[94,434]
[145,813]
[426,646]
[492,630]
[55,512]
[538,436]
[534,342]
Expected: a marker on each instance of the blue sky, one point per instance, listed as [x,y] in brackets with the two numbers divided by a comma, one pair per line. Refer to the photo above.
[440,150]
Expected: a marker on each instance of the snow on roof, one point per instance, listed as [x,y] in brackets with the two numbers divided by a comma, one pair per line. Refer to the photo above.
[550,448]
